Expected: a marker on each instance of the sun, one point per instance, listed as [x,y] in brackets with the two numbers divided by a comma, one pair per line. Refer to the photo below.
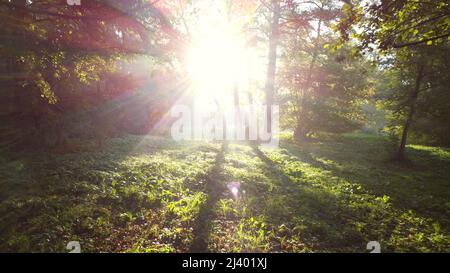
[214,59]
[217,64]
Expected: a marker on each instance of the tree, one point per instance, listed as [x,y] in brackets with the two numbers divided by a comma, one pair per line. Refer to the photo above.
[271,68]
[396,23]
[416,95]
[57,51]
[402,29]
[321,88]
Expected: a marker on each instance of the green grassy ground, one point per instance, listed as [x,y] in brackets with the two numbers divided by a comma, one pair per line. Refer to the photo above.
[332,194]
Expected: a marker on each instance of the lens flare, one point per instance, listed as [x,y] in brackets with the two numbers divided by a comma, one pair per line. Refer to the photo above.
[234,188]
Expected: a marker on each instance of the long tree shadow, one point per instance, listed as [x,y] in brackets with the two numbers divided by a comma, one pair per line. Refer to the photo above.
[213,187]
[58,188]
[283,180]
[316,208]
[418,187]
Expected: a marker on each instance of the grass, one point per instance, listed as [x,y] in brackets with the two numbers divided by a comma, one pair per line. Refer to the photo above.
[332,194]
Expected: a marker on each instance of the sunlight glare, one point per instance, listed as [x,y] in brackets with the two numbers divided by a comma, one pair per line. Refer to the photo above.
[217,63]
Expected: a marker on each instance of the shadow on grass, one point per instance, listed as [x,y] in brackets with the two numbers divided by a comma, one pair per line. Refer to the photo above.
[95,194]
[420,186]
[214,188]
[41,166]
[280,179]
[313,213]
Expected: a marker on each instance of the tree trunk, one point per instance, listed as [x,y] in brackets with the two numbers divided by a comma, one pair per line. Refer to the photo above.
[21,99]
[271,69]
[412,110]
[301,130]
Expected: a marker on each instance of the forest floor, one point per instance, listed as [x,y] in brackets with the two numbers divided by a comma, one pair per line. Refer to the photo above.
[144,194]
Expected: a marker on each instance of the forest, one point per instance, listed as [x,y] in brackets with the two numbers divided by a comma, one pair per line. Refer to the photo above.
[224,126]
